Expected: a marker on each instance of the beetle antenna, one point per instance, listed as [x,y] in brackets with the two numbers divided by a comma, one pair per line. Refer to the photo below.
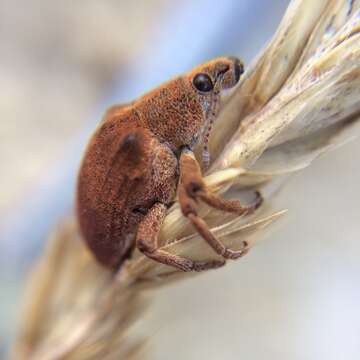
[211,115]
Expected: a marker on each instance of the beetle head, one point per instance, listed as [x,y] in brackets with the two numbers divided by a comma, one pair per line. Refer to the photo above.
[216,75]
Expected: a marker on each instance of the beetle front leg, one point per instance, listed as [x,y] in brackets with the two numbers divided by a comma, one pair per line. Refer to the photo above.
[146,242]
[192,182]
[192,188]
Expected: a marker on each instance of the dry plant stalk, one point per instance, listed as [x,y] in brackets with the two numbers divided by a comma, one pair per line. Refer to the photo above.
[300,98]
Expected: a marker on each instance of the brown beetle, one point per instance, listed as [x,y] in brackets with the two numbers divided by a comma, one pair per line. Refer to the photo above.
[140,155]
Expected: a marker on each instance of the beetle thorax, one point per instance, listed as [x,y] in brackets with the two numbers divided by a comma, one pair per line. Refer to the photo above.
[177,114]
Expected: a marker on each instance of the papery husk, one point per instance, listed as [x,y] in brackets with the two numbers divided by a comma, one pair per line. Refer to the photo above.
[298,99]
[320,90]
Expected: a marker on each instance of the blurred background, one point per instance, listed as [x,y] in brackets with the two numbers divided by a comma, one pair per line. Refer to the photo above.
[295,296]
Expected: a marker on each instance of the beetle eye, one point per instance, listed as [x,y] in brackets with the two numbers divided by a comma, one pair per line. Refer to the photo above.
[203,83]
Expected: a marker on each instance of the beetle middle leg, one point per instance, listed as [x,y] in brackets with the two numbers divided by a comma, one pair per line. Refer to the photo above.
[192,188]
[146,242]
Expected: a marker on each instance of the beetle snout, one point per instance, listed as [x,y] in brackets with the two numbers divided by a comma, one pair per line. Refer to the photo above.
[232,76]
[238,68]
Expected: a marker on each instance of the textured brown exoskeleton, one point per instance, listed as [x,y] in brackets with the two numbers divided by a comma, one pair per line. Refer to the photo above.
[140,155]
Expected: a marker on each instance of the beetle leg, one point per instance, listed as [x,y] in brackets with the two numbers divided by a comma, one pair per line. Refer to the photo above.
[203,229]
[192,188]
[146,242]
[232,206]
[192,181]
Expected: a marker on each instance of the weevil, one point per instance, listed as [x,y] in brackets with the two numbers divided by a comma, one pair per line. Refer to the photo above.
[141,156]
